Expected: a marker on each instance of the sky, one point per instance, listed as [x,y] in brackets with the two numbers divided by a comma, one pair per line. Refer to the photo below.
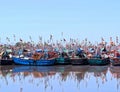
[78,19]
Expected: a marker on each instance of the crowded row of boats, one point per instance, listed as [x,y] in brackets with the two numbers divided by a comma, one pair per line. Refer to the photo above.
[40,58]
[62,53]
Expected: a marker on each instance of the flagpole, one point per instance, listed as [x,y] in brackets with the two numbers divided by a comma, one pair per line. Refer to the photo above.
[0,40]
[117,41]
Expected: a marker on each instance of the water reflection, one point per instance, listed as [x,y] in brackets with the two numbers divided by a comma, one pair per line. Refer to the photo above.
[59,79]
[115,71]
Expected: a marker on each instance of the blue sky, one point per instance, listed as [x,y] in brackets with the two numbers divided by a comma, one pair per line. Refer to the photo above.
[75,18]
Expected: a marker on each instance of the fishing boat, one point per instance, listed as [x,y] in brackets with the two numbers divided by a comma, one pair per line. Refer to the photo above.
[115,61]
[37,59]
[79,58]
[79,61]
[32,62]
[63,58]
[6,57]
[62,61]
[6,62]
[98,61]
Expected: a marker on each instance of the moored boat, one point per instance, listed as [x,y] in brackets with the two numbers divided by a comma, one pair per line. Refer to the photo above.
[32,62]
[62,61]
[98,61]
[6,57]
[6,62]
[79,61]
[115,61]
[79,58]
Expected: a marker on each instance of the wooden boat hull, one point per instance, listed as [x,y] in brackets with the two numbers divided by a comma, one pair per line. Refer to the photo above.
[95,61]
[62,61]
[32,62]
[6,62]
[116,62]
[79,61]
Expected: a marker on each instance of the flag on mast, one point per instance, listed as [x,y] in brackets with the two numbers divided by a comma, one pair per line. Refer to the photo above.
[21,40]
[111,42]
[117,39]
[8,39]
[62,34]
[103,41]
[30,38]
[64,40]
[110,39]
[51,37]
[14,37]
[40,38]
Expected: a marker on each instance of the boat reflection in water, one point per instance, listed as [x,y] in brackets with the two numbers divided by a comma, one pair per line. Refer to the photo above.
[59,79]
[115,71]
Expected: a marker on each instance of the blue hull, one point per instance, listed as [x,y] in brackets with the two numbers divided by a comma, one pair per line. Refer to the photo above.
[31,62]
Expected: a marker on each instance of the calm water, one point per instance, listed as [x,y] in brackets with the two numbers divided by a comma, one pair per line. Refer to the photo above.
[59,79]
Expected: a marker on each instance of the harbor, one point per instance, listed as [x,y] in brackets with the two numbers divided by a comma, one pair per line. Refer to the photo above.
[59,46]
